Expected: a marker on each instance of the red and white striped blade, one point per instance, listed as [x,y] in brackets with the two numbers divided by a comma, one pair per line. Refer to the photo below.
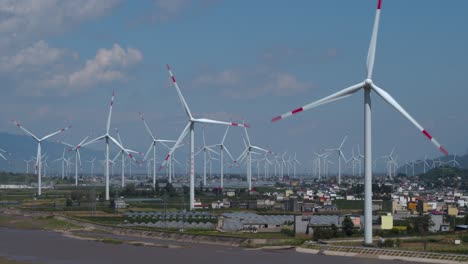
[146,126]
[181,97]
[179,140]
[259,148]
[123,149]
[24,129]
[331,98]
[211,121]
[373,42]
[390,100]
[110,112]
[81,143]
[56,132]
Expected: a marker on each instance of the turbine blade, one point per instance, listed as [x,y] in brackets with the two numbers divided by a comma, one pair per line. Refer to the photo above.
[81,143]
[116,156]
[146,126]
[389,99]
[179,140]
[66,144]
[181,97]
[79,156]
[247,135]
[25,130]
[148,151]
[56,132]
[225,134]
[229,154]
[211,121]
[118,136]
[123,149]
[331,98]
[93,141]
[342,143]
[110,112]
[373,42]
[258,148]
[1,155]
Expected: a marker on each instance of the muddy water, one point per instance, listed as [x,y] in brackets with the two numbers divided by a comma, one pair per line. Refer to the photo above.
[38,246]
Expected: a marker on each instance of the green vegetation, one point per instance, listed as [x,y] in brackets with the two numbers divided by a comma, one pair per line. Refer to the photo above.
[111,241]
[348,226]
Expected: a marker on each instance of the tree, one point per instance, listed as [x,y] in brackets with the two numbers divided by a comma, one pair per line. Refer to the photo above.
[170,190]
[348,226]
[419,224]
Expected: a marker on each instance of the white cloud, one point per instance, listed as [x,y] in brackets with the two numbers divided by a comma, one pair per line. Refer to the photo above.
[239,84]
[34,57]
[39,69]
[165,9]
[107,66]
[33,17]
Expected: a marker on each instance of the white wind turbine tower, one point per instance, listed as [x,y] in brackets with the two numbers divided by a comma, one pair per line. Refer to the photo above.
[92,165]
[39,155]
[204,148]
[339,151]
[107,137]
[62,159]
[121,153]
[368,86]
[247,153]
[189,128]
[295,161]
[454,161]
[27,164]
[222,148]
[153,147]
[77,156]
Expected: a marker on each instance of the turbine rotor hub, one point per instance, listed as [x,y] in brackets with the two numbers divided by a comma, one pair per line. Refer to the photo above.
[368,82]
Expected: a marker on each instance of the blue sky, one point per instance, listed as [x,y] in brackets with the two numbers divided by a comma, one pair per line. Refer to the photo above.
[236,60]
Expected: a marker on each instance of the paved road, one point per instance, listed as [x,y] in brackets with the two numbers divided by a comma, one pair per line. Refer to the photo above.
[39,246]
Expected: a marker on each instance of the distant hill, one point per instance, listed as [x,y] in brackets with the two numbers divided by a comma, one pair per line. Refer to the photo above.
[446,161]
[446,176]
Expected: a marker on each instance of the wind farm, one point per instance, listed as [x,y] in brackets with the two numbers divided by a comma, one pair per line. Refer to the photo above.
[205,157]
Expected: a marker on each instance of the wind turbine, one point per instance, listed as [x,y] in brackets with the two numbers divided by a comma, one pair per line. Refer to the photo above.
[368,86]
[62,159]
[454,161]
[340,155]
[121,153]
[222,147]
[189,128]
[92,165]
[1,155]
[77,156]
[295,161]
[39,155]
[247,153]
[204,148]
[107,137]
[152,146]
[27,164]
